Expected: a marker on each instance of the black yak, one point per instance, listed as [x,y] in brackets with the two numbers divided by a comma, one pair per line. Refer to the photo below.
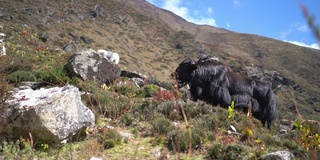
[268,105]
[215,83]
[205,81]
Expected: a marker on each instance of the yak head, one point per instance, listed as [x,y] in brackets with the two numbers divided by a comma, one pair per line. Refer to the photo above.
[183,72]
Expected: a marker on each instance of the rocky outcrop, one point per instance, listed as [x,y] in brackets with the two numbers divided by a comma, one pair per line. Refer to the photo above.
[2,44]
[71,47]
[140,80]
[50,115]
[89,65]
[86,39]
[275,79]
[279,155]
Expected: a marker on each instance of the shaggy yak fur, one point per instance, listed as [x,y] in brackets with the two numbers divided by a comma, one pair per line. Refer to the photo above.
[215,83]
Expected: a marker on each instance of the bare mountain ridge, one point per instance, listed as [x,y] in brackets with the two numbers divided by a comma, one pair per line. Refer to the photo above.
[153,41]
[281,56]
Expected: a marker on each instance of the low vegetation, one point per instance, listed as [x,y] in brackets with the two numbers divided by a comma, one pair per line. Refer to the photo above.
[147,122]
[159,122]
[155,118]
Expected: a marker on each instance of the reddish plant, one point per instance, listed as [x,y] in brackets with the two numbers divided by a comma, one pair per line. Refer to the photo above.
[163,95]
[24,34]
[39,48]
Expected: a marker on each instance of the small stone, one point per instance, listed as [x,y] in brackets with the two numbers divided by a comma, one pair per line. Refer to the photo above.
[282,131]
[279,155]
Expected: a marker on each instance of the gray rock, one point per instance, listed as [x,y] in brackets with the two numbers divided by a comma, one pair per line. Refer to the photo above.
[93,13]
[292,107]
[137,81]
[179,46]
[89,65]
[43,37]
[273,78]
[286,122]
[259,54]
[71,47]
[312,100]
[279,155]
[86,39]
[133,75]
[9,18]
[73,35]
[33,85]
[283,131]
[49,115]
[126,135]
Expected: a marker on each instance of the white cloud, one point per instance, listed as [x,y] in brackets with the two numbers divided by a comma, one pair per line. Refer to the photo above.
[313,45]
[203,20]
[236,3]
[284,34]
[228,25]
[175,7]
[297,29]
[210,10]
[301,27]
[293,29]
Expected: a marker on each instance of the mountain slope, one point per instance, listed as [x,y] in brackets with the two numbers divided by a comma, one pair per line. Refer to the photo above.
[153,41]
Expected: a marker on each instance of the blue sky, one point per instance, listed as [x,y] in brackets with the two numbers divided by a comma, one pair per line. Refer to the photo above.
[282,19]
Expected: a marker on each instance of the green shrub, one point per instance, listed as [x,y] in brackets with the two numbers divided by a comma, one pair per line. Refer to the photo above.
[15,150]
[144,110]
[228,152]
[290,144]
[147,90]
[18,63]
[194,109]
[215,151]
[205,122]
[4,91]
[269,140]
[310,139]
[129,91]
[110,138]
[20,76]
[105,102]
[127,119]
[145,129]
[170,110]
[55,75]
[178,140]
[162,125]
[233,152]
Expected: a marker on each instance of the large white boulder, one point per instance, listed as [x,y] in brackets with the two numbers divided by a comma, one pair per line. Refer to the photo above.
[49,115]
